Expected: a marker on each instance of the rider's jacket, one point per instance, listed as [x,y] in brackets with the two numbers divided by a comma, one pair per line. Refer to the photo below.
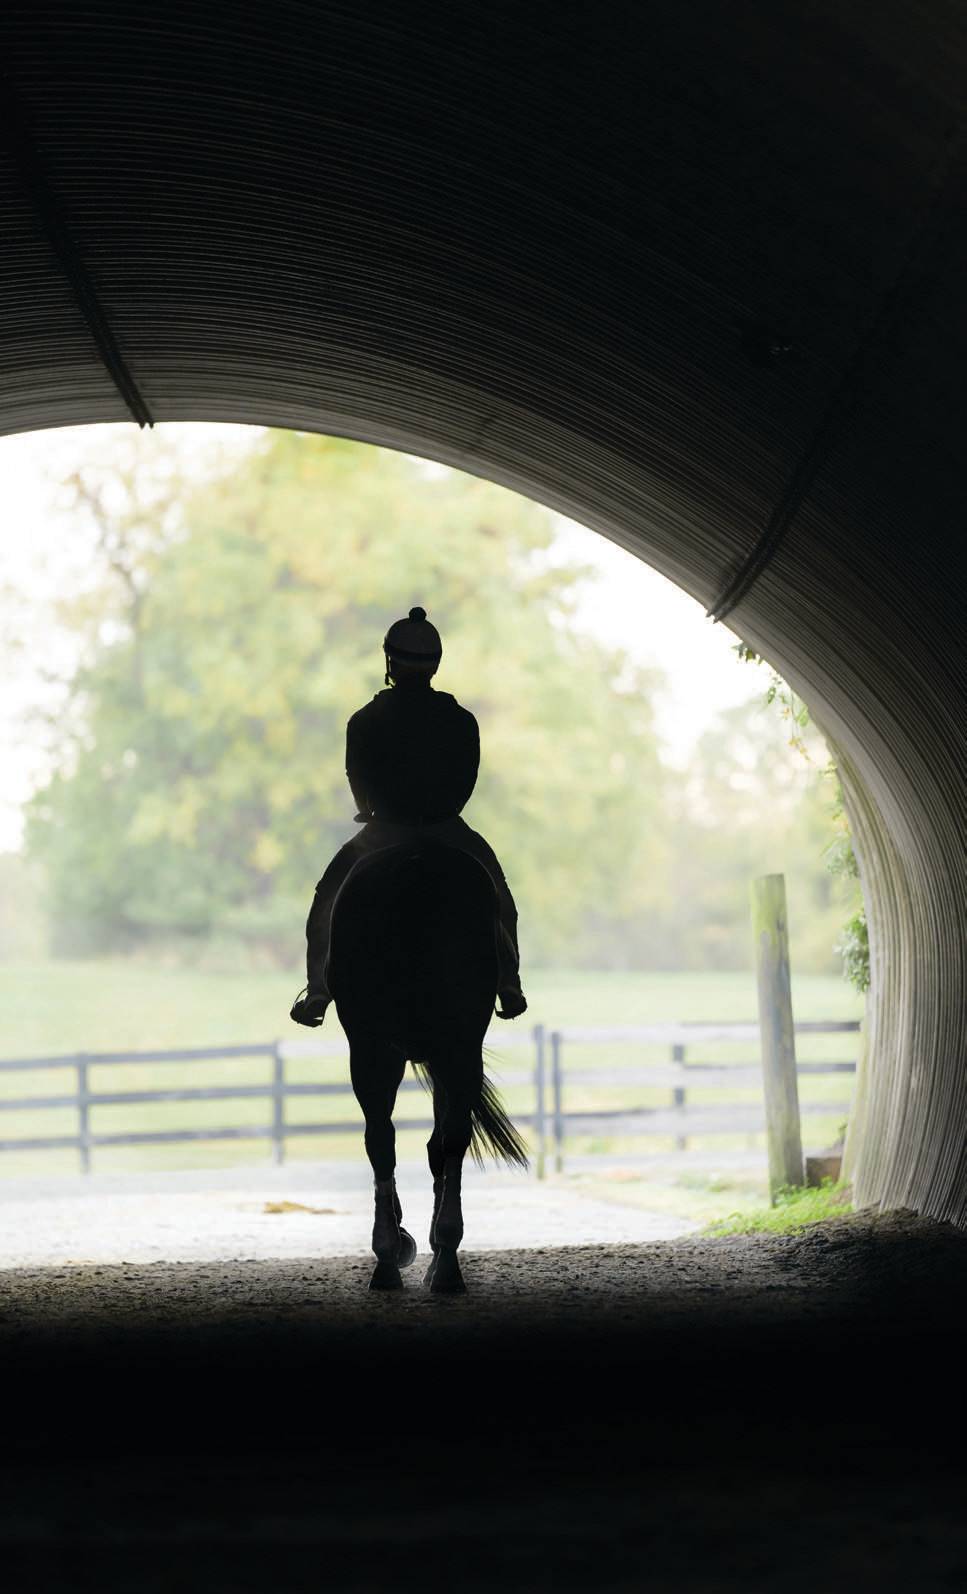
[412,755]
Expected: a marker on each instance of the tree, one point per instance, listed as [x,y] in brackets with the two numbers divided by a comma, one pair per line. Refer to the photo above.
[200,787]
[758,801]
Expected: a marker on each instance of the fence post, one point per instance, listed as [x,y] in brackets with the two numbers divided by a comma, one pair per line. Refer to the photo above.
[776,1031]
[556,1083]
[83,1113]
[678,1095]
[278,1105]
[540,1122]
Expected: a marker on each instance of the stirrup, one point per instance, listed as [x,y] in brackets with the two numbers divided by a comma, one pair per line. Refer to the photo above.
[309,1010]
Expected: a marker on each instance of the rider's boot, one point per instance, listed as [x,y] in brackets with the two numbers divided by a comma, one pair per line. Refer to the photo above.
[513,1002]
[310,1009]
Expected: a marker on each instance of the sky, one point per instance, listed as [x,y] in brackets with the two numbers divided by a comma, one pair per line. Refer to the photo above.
[626,604]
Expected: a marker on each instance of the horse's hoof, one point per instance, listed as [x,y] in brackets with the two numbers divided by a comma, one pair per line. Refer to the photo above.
[386,1276]
[447,1277]
[407,1249]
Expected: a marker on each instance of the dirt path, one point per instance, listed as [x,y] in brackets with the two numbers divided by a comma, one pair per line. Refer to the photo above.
[839,1269]
[309,1209]
[774,1414]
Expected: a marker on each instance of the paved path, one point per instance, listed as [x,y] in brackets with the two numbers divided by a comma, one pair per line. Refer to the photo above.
[224,1215]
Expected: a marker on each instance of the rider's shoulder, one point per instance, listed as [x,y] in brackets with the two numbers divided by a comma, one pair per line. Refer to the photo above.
[365,715]
[374,702]
[451,703]
[456,712]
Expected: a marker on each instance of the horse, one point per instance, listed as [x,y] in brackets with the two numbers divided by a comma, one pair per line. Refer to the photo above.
[413,974]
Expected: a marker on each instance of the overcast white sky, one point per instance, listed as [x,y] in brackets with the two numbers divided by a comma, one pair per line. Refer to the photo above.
[627,605]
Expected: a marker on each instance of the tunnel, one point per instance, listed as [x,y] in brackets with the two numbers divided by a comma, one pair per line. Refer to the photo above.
[690,274]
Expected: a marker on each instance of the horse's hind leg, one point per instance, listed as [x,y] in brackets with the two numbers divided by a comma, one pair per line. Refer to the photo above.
[376,1072]
[436,1158]
[454,1124]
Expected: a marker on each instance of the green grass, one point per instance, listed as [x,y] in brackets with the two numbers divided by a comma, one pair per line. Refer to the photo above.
[64,1007]
[114,1005]
[794,1208]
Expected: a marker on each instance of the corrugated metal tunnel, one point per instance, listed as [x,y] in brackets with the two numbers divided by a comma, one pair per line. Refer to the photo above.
[692,274]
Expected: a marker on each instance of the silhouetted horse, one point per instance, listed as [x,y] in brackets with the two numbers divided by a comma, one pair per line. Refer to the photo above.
[413,973]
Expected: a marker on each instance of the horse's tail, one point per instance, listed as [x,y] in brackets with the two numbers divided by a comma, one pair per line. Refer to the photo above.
[491,1130]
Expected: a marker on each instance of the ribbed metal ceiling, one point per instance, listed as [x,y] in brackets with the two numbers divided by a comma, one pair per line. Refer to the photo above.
[693,273]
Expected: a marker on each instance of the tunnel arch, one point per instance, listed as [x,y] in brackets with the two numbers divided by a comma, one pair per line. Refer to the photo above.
[691,275]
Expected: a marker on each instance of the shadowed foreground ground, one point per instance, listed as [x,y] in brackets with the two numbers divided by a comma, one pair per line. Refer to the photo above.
[775,1414]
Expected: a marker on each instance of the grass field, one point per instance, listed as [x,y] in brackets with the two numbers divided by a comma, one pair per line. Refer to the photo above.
[65,1007]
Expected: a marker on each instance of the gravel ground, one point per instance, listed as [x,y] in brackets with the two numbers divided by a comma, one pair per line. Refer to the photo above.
[259,1214]
[766,1413]
[840,1269]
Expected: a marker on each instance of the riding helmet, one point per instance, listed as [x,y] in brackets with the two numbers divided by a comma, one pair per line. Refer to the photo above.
[413,640]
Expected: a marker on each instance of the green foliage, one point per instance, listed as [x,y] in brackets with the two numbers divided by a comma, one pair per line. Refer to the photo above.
[792,708]
[201,787]
[795,1207]
[852,945]
[233,627]
[22,929]
[748,807]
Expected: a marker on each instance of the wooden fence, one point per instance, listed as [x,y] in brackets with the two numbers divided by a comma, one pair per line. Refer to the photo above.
[549,1119]
[680,1075]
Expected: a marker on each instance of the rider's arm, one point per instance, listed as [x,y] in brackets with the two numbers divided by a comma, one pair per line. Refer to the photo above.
[355,765]
[467,761]
[317,941]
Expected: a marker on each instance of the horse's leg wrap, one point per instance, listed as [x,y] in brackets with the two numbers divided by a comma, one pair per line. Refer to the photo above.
[386,1224]
[392,1244]
[448,1224]
[447,1278]
[387,1238]
[437,1198]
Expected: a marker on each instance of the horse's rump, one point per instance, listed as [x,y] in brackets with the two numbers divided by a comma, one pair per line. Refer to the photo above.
[413,951]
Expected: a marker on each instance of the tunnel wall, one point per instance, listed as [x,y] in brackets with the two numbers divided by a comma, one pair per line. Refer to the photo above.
[691,274]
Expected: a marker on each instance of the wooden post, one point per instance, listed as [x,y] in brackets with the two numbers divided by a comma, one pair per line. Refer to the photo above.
[557,1083]
[83,1114]
[678,1094]
[540,1117]
[278,1105]
[777,1035]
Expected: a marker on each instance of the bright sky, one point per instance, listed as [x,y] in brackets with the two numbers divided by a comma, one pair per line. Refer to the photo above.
[626,605]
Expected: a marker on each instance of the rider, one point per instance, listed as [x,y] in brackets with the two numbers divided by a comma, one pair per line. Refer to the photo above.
[412,756]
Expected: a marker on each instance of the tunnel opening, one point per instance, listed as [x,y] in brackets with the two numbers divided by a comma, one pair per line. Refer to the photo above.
[679,333]
[231,632]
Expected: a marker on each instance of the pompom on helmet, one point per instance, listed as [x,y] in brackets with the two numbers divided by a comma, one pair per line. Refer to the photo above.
[413,641]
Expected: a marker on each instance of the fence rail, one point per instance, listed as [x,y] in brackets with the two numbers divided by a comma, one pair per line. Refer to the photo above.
[549,1119]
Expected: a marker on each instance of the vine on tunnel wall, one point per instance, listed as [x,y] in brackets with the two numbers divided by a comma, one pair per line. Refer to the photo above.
[853,943]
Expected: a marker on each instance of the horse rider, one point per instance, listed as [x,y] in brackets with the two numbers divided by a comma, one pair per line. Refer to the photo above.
[412,756]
